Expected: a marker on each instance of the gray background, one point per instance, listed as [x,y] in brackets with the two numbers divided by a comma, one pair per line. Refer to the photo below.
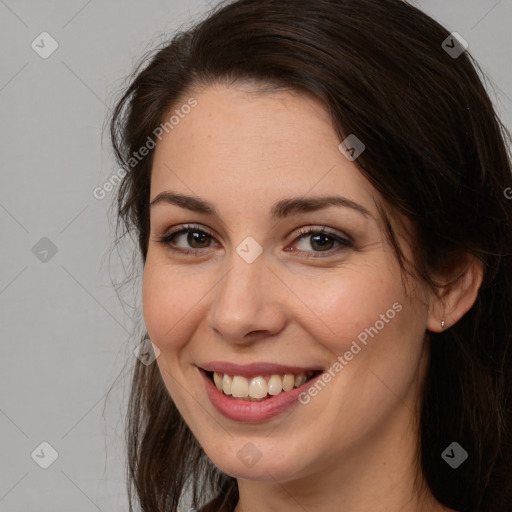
[65,335]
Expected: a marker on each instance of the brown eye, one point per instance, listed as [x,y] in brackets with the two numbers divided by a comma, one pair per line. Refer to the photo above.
[194,239]
[198,237]
[322,241]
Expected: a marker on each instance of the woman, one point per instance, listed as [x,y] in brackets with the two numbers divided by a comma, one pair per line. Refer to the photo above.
[318,191]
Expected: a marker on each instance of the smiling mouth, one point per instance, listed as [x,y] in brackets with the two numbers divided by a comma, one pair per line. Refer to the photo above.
[259,388]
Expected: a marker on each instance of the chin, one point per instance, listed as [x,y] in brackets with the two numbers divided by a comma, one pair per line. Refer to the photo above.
[250,463]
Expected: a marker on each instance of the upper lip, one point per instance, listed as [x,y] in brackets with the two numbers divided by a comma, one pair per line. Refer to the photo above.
[255,369]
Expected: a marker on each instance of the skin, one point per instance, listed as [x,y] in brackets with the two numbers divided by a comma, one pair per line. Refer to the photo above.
[353,447]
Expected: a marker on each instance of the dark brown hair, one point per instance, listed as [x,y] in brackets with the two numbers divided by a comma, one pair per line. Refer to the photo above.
[436,153]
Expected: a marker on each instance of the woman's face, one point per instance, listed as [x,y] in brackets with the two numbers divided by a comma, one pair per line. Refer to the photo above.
[257,289]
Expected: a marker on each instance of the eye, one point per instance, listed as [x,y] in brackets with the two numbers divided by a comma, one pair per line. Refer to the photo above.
[321,240]
[194,235]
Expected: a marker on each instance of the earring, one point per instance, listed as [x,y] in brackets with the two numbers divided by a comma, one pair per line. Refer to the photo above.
[442,324]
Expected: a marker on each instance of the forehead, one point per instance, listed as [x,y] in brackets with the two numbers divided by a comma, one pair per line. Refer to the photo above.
[274,144]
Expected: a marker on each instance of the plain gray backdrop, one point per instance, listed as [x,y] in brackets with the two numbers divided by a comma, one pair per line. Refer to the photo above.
[65,335]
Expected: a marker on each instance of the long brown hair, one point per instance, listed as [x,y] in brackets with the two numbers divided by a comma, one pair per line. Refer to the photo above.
[436,153]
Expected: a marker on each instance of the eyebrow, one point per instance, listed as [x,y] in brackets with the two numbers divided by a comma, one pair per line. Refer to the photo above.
[280,209]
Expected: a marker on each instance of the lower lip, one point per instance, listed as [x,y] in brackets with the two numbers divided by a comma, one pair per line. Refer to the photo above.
[253,412]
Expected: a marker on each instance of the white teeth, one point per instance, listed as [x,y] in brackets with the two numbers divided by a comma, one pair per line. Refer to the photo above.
[289,382]
[257,388]
[218,379]
[300,379]
[239,387]
[226,384]
[275,385]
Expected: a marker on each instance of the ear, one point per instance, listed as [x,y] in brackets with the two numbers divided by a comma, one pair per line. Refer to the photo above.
[456,297]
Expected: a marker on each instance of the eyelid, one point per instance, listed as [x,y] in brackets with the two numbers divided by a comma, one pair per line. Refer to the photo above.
[324,230]
[344,240]
[183,228]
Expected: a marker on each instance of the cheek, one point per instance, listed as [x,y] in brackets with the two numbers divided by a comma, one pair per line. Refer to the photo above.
[172,301]
[163,303]
[377,344]
[346,304]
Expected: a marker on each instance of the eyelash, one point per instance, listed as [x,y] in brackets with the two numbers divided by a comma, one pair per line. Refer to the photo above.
[166,240]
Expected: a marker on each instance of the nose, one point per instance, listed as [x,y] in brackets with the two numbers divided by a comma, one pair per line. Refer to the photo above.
[248,302]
